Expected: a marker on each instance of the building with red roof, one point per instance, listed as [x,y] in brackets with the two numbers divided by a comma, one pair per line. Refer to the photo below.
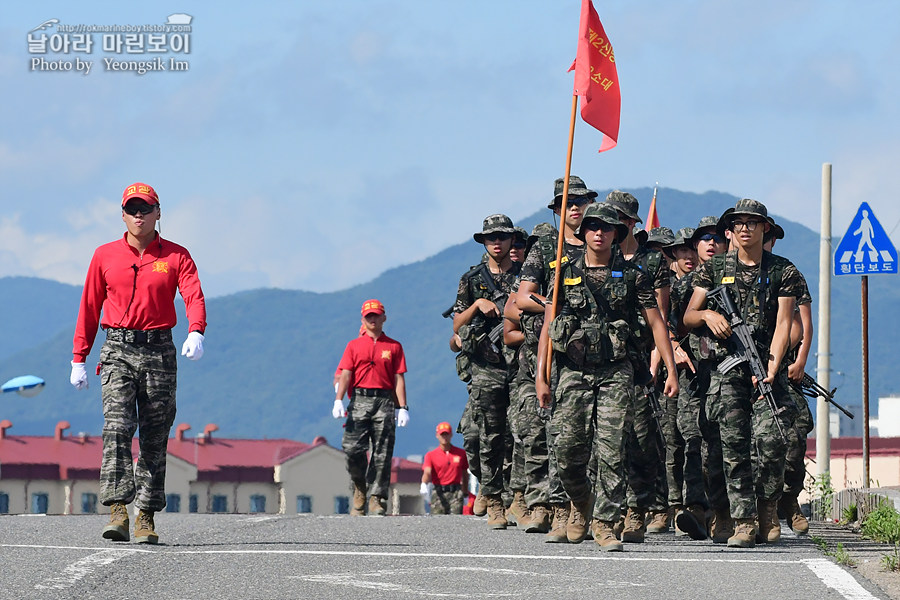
[204,474]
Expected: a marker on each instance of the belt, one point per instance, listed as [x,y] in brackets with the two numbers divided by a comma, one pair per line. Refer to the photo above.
[372,392]
[453,487]
[139,337]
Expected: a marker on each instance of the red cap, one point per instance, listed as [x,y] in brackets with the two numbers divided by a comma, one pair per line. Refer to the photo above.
[444,428]
[372,306]
[140,190]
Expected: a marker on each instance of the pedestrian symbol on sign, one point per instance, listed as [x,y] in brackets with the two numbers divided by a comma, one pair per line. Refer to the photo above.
[865,249]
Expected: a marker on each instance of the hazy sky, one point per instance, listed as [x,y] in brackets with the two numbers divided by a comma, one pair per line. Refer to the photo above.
[312,145]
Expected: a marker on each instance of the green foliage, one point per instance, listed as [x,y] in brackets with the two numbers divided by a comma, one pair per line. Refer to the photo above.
[883,524]
[891,561]
[824,493]
[850,514]
[842,556]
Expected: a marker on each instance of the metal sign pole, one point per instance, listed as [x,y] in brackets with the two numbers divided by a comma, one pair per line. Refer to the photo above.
[865,378]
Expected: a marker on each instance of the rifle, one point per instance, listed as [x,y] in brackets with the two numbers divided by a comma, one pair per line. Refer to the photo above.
[747,352]
[810,388]
[652,395]
[446,314]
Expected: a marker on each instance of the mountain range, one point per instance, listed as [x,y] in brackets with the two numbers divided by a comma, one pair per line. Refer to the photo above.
[271,353]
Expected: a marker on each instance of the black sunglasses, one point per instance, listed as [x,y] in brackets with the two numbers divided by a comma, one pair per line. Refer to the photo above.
[133,208]
[497,237]
[519,245]
[706,237]
[595,224]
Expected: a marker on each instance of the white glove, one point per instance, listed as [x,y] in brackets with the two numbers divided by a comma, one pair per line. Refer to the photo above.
[193,346]
[340,410]
[425,490]
[402,416]
[78,378]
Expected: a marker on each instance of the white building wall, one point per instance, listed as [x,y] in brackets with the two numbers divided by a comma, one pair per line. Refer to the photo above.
[319,473]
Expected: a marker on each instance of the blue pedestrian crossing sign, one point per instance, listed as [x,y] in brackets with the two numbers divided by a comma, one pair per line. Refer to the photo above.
[865,249]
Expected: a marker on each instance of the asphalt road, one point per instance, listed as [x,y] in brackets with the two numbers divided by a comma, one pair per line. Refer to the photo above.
[275,557]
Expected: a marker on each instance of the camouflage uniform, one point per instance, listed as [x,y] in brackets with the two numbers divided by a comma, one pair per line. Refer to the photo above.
[447,502]
[491,376]
[795,465]
[370,426]
[744,422]
[647,488]
[542,479]
[594,401]
[138,391]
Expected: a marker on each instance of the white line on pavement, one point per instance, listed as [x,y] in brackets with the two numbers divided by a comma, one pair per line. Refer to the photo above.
[837,579]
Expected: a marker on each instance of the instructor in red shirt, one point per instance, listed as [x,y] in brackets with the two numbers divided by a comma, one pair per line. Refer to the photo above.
[375,364]
[132,283]
[446,471]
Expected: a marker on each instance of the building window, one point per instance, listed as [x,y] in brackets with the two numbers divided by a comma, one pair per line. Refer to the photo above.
[173,502]
[257,503]
[4,503]
[88,503]
[341,505]
[219,504]
[39,503]
[304,504]
[193,504]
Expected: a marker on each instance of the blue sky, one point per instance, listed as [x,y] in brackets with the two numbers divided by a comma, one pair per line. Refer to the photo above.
[312,145]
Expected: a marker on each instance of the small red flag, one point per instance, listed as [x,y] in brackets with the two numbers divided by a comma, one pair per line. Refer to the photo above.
[652,216]
[596,78]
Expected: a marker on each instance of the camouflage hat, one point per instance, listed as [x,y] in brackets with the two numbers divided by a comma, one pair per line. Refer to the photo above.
[538,231]
[625,203]
[607,214]
[640,235]
[682,238]
[776,232]
[745,206]
[661,235]
[703,227]
[494,224]
[577,190]
[521,235]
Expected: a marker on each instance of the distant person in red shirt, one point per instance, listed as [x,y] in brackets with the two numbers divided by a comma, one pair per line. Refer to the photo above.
[132,282]
[446,473]
[374,365]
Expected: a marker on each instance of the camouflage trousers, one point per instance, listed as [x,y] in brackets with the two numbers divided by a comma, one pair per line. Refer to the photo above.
[646,475]
[542,485]
[753,452]
[370,428]
[707,378]
[514,461]
[447,502]
[594,411]
[693,428]
[471,440]
[675,443]
[138,394]
[488,402]
[794,463]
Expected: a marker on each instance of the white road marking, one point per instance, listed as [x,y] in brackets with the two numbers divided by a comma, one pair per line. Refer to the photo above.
[837,579]
[80,569]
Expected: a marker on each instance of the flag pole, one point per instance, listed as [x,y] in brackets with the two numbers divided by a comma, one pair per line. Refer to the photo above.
[561,241]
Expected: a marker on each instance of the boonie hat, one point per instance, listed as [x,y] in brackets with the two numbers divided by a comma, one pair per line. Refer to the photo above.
[607,214]
[538,231]
[703,227]
[640,235]
[142,191]
[625,203]
[372,306]
[494,224]
[521,235]
[444,428]
[776,232]
[682,238]
[745,206]
[661,235]
[577,189]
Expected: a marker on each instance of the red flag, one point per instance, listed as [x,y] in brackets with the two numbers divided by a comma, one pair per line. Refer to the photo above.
[596,79]
[652,216]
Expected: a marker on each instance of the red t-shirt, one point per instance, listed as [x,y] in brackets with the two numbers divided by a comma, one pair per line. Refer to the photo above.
[448,467]
[374,363]
[116,270]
